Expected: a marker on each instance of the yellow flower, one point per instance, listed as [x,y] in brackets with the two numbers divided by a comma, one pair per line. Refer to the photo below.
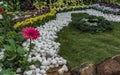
[9,13]
[33,20]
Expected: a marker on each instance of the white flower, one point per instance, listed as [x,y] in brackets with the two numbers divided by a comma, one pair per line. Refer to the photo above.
[1,56]
[1,17]
[1,2]
[0,68]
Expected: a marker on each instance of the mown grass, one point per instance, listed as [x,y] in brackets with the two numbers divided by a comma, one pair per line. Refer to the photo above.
[80,47]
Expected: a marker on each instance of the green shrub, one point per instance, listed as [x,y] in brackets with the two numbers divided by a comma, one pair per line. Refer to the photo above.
[92,24]
[14,56]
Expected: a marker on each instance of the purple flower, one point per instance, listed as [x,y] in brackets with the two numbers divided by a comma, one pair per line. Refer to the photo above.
[32,14]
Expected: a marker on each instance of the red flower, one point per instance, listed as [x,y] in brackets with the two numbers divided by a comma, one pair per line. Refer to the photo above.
[1,11]
[30,33]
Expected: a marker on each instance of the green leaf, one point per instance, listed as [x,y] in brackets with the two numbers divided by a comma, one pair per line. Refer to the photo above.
[12,58]
[20,50]
[7,72]
[8,48]
[1,64]
[1,37]
[12,43]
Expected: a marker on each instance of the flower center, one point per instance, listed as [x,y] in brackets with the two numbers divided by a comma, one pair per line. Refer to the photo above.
[30,33]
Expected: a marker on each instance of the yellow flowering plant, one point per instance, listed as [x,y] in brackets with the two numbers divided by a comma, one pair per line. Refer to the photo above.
[30,21]
[9,13]
[39,4]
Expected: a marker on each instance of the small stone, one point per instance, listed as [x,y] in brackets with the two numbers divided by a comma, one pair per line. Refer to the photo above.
[54,61]
[56,65]
[63,69]
[28,72]
[60,62]
[34,58]
[45,63]
[18,70]
[32,67]
[43,67]
[37,70]
[29,59]
[51,66]
[42,71]
[64,61]
[38,74]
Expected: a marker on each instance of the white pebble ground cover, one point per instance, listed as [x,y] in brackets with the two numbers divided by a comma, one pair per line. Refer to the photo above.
[46,49]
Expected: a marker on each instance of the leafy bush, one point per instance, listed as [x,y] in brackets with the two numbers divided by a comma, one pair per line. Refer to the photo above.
[93,24]
[14,56]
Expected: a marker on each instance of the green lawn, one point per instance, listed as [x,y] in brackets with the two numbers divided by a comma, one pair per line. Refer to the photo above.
[78,47]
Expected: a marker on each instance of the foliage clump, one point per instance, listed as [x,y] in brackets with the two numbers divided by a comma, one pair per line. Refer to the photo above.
[93,24]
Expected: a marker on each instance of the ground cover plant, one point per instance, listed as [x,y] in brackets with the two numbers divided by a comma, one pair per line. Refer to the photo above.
[79,47]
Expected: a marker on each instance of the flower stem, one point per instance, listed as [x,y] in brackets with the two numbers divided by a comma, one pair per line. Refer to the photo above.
[29,49]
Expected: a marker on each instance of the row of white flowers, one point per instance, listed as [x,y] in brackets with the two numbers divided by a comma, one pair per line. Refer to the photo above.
[106,9]
[110,17]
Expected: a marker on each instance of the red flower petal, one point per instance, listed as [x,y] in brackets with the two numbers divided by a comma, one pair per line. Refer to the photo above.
[1,11]
[30,33]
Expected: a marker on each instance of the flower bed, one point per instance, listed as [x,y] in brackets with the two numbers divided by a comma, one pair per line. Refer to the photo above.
[108,8]
[32,21]
[31,14]
[45,52]
[72,8]
[34,56]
